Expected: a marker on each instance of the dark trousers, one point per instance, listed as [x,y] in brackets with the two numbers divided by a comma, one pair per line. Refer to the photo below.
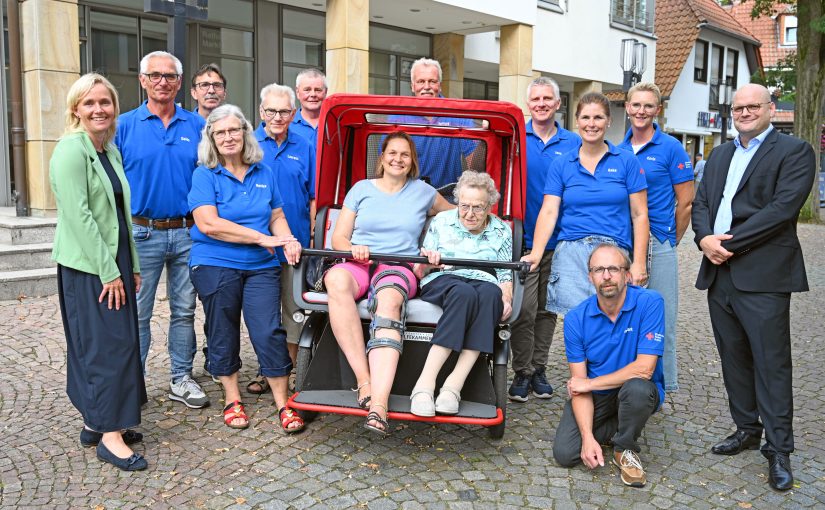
[753,335]
[225,292]
[471,311]
[619,417]
[532,333]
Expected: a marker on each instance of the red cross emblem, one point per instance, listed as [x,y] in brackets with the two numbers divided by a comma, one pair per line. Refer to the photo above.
[681,166]
[649,336]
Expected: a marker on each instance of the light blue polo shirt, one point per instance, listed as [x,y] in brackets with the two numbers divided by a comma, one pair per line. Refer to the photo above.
[305,129]
[666,164]
[539,157]
[159,160]
[591,337]
[293,163]
[598,203]
[248,203]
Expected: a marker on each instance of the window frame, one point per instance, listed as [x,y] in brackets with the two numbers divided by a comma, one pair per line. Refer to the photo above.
[703,78]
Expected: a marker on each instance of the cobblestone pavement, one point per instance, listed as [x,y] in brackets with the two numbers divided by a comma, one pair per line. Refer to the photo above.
[197,462]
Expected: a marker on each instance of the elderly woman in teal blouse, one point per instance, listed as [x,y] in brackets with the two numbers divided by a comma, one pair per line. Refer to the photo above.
[473,300]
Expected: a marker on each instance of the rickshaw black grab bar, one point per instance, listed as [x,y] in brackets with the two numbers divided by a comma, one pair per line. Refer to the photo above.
[522,268]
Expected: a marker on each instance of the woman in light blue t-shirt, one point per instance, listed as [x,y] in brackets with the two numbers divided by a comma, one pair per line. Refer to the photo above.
[382,215]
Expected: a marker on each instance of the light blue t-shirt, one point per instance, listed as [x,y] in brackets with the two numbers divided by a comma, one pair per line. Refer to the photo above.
[389,222]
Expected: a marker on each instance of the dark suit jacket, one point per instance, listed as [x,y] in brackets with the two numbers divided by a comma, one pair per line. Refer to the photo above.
[767,255]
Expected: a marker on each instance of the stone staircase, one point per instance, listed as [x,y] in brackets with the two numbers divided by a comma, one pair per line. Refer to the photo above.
[26,268]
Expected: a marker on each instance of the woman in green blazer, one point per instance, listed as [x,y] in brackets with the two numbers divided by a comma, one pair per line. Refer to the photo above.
[98,274]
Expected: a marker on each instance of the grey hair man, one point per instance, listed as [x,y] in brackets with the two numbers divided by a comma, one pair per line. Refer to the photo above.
[311,87]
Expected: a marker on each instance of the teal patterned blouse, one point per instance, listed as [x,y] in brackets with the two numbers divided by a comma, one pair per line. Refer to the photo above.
[449,237]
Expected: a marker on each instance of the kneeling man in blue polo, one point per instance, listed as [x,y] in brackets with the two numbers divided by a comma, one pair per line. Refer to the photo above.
[614,343]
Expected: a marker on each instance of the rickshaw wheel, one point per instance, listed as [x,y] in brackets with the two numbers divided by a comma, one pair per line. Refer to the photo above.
[500,387]
[301,369]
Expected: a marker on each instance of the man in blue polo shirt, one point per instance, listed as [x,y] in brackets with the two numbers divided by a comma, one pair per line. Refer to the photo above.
[159,143]
[670,190]
[292,158]
[613,341]
[533,331]
[311,88]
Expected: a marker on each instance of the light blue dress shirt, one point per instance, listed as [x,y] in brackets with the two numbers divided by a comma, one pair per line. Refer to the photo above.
[742,156]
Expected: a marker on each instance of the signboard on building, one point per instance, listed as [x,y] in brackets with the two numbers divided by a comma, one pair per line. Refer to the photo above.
[709,120]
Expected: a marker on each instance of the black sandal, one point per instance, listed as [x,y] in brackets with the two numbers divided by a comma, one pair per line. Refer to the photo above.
[373,416]
[364,403]
[262,386]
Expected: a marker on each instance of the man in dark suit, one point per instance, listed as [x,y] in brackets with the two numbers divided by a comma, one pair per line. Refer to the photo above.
[744,217]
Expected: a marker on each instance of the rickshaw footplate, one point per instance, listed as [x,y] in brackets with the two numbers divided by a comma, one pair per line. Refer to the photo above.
[334,401]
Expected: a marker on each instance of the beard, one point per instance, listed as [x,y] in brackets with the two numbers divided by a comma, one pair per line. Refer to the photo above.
[609,290]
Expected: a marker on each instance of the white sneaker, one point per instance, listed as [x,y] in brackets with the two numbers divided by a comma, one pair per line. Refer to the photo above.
[189,392]
[447,401]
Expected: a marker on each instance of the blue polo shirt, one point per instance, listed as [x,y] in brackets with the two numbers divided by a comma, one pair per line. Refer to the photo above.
[440,158]
[305,129]
[539,157]
[293,163]
[591,337]
[597,203]
[248,203]
[159,160]
[666,164]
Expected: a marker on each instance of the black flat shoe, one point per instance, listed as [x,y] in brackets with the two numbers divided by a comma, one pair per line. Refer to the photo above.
[135,462]
[92,438]
[780,476]
[737,442]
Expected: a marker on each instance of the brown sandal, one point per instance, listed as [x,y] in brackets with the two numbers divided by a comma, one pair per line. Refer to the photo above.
[232,412]
[288,417]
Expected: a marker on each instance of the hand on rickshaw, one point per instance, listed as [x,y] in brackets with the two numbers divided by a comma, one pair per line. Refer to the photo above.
[360,252]
[533,258]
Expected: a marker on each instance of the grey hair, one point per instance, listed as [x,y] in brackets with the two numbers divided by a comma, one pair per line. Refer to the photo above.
[477,180]
[311,73]
[278,90]
[144,62]
[426,62]
[544,81]
[621,251]
[208,154]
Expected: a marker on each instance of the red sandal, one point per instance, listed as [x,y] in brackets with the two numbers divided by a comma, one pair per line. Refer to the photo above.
[288,417]
[234,411]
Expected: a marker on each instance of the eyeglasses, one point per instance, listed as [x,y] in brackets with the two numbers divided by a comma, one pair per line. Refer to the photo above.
[751,108]
[170,78]
[612,270]
[270,113]
[204,86]
[649,108]
[476,209]
[231,133]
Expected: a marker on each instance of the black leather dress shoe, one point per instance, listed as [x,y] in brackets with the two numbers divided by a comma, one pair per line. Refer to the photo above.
[736,443]
[779,470]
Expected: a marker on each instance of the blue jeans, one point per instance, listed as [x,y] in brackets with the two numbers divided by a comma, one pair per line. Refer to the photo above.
[170,248]
[664,278]
[569,284]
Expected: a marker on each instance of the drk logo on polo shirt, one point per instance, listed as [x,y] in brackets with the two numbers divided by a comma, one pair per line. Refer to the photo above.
[260,185]
[290,156]
[651,158]
[184,139]
[612,170]
[656,337]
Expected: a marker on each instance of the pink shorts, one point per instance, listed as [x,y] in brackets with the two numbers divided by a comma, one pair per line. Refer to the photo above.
[361,273]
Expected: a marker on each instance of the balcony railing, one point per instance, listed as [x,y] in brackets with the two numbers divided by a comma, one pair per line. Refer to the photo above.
[633,14]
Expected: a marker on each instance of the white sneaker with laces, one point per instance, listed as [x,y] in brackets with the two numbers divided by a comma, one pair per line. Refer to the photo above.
[189,392]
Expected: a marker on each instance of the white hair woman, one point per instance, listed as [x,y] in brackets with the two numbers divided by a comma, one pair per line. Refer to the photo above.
[473,300]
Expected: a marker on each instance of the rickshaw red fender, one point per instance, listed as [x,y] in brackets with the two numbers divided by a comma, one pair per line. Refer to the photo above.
[350,130]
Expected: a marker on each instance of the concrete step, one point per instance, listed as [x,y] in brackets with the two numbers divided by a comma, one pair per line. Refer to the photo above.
[25,256]
[28,282]
[26,230]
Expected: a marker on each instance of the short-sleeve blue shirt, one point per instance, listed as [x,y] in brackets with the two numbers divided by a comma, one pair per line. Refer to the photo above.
[248,203]
[597,203]
[293,163]
[440,158]
[159,161]
[305,129]
[539,157]
[389,223]
[666,164]
[605,347]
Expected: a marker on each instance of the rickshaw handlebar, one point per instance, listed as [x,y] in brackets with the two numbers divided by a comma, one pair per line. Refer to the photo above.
[521,268]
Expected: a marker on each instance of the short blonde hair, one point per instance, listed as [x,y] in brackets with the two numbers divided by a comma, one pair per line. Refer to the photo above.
[78,91]
[645,86]
[379,165]
[208,154]
[478,180]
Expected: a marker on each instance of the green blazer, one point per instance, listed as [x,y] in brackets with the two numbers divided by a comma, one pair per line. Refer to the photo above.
[87,229]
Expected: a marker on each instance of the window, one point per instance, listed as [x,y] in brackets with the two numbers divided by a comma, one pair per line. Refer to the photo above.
[636,15]
[479,89]
[732,68]
[717,57]
[789,30]
[553,5]
[303,43]
[392,53]
[700,62]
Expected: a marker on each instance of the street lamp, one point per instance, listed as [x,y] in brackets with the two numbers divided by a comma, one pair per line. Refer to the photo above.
[633,61]
[725,98]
